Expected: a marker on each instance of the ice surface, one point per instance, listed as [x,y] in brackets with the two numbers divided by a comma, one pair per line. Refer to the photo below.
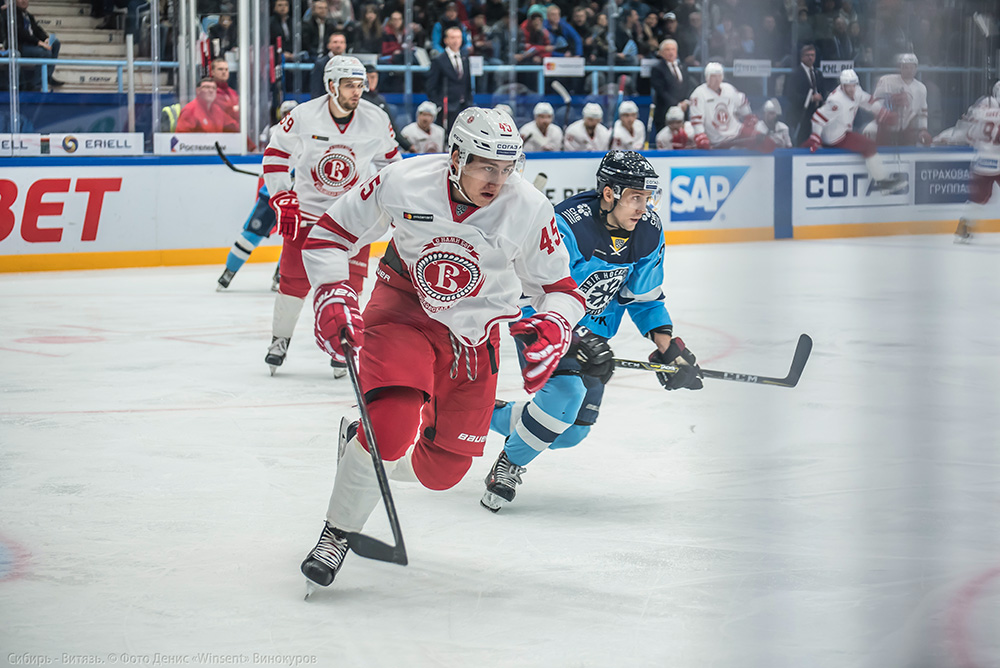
[158,488]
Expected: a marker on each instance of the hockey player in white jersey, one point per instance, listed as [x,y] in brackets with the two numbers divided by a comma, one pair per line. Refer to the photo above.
[629,134]
[721,115]
[424,134]
[833,123]
[542,134]
[769,125]
[469,237]
[332,142]
[906,96]
[678,134]
[984,119]
[587,134]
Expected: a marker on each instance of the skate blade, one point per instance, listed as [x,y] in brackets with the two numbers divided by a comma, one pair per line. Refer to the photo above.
[219,287]
[311,588]
[273,368]
[492,502]
[339,373]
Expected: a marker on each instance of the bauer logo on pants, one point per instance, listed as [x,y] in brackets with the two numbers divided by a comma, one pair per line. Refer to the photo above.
[697,194]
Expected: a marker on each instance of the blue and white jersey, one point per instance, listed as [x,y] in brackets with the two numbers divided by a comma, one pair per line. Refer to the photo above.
[616,272]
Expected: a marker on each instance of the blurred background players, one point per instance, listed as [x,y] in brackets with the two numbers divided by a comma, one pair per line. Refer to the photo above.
[907,97]
[984,117]
[678,134]
[541,134]
[770,126]
[259,225]
[721,115]
[424,135]
[587,134]
[629,135]
[833,125]
[204,114]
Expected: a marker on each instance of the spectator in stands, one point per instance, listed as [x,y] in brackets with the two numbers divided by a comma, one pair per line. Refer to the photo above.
[424,135]
[223,35]
[449,19]
[542,134]
[838,46]
[773,128]
[565,40]
[747,45]
[494,11]
[771,43]
[281,26]
[689,41]
[598,41]
[587,134]
[536,42]
[670,83]
[804,90]
[202,114]
[316,29]
[448,78]
[393,36]
[342,13]
[33,42]
[669,24]
[368,31]
[336,45]
[225,97]
[499,36]
[582,25]
[626,39]
[651,35]
[804,26]
[678,134]
[373,96]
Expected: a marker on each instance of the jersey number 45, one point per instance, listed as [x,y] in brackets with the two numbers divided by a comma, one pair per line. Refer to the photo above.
[550,238]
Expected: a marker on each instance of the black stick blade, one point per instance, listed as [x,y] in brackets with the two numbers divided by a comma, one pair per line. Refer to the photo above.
[799,360]
[371,548]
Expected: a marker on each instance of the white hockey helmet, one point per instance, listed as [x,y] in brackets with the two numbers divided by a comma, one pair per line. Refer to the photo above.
[487,133]
[286,107]
[773,105]
[505,108]
[849,78]
[427,107]
[343,67]
[996,90]
[907,59]
[712,69]
[675,114]
[628,107]
[543,109]
[593,110]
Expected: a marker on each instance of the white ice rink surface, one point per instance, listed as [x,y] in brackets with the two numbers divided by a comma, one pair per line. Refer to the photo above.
[158,488]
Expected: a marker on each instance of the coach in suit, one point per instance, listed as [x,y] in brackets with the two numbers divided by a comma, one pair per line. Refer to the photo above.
[670,83]
[805,92]
[449,77]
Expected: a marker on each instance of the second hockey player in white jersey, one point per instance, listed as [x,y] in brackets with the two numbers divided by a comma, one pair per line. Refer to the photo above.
[424,134]
[587,134]
[907,97]
[984,130]
[769,125]
[833,125]
[628,133]
[469,238]
[542,134]
[678,134]
[333,142]
[721,115]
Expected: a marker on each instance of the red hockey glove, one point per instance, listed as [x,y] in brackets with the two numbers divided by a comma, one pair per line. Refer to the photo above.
[749,126]
[813,143]
[337,313]
[547,336]
[887,117]
[286,207]
[680,140]
[688,374]
[701,140]
[925,138]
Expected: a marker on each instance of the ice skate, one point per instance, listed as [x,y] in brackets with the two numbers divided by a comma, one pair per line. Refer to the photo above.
[348,429]
[500,483]
[339,368]
[323,562]
[892,185]
[225,280]
[275,280]
[963,234]
[276,352]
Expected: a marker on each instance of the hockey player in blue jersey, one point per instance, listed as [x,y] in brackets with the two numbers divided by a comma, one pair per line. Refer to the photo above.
[615,244]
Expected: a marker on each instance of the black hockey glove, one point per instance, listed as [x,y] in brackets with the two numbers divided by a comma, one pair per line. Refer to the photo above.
[593,353]
[688,373]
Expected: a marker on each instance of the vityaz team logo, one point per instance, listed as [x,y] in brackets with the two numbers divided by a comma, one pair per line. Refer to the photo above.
[447,272]
[335,172]
[721,116]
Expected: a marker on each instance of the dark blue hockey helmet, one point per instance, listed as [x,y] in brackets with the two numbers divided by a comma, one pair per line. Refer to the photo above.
[626,169]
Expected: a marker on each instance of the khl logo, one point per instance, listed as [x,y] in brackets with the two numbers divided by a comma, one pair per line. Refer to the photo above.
[697,193]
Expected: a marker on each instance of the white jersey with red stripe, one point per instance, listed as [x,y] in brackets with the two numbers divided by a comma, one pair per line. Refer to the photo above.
[984,131]
[629,141]
[469,266]
[836,117]
[534,140]
[328,159]
[578,139]
[718,114]
[425,142]
[681,138]
[909,100]
[779,135]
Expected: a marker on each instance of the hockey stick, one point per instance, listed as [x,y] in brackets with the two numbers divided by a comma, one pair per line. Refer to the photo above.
[799,359]
[229,164]
[621,94]
[362,545]
[540,181]
[649,124]
[567,101]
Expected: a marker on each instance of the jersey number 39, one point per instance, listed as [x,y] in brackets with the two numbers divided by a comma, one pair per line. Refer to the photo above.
[550,238]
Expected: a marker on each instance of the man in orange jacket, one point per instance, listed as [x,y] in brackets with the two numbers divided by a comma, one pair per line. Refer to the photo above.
[202,114]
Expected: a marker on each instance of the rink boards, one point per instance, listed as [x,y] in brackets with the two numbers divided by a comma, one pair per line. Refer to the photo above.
[78,213]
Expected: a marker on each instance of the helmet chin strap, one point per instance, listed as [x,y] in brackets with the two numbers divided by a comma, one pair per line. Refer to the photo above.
[335,98]
[457,181]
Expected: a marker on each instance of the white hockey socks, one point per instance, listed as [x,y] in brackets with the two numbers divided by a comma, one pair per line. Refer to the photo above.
[355,489]
[286,314]
[876,168]
[401,470]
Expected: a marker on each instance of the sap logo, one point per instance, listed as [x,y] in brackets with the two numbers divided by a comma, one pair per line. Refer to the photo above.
[697,193]
[858,184]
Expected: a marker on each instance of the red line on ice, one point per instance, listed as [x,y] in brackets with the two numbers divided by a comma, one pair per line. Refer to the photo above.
[958,618]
